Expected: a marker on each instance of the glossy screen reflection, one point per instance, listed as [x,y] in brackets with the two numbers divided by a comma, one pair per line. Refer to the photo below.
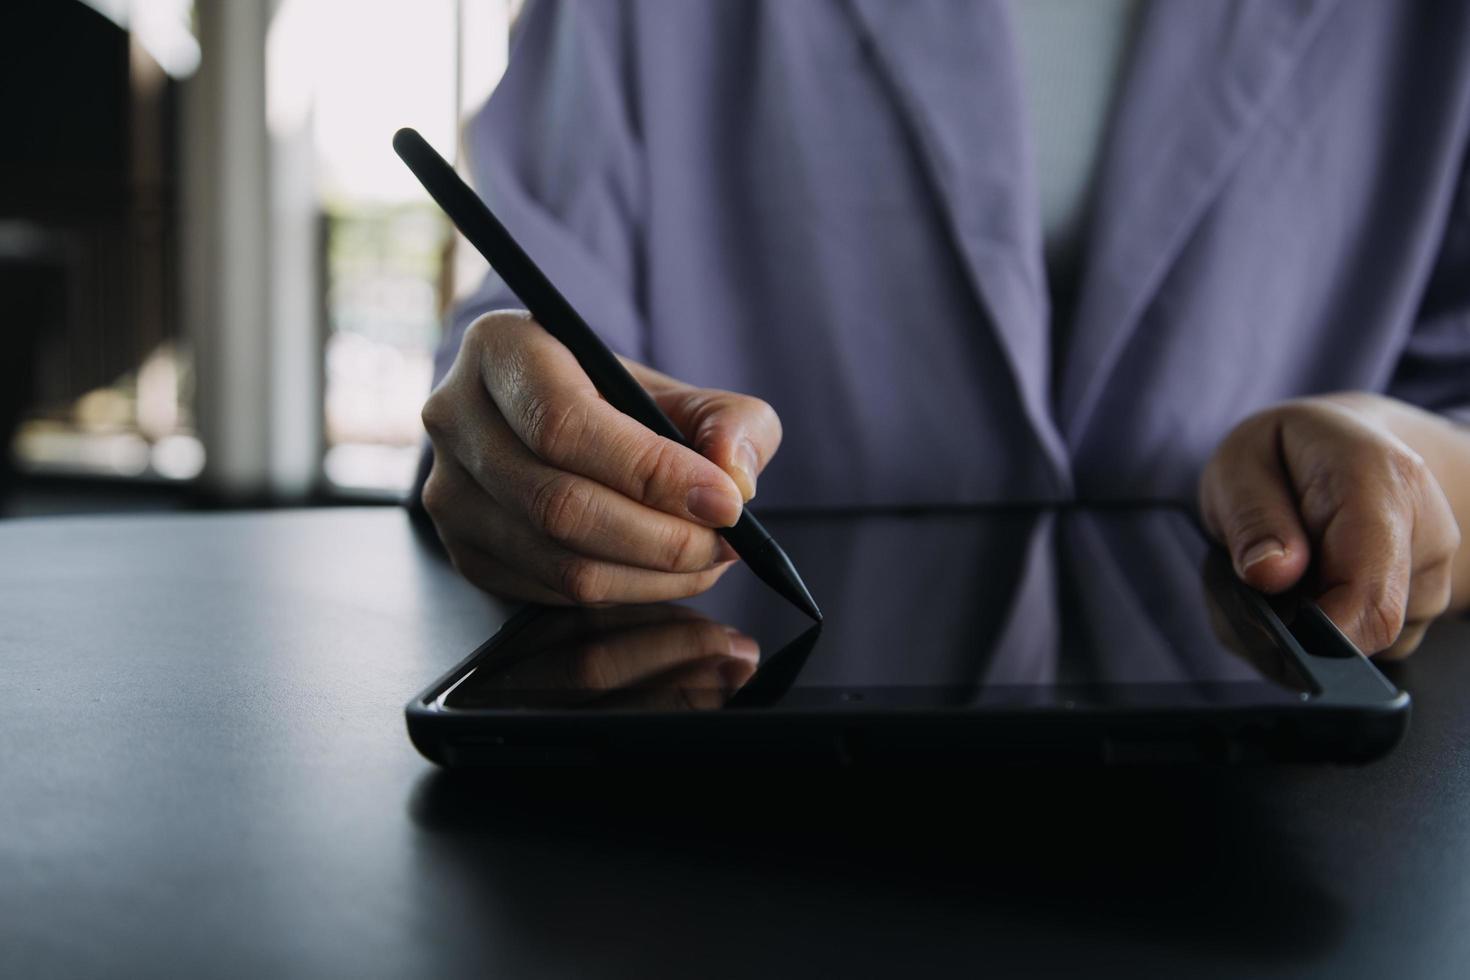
[1016,606]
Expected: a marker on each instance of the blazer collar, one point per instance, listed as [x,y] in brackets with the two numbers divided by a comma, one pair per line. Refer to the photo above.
[1200,81]
[952,72]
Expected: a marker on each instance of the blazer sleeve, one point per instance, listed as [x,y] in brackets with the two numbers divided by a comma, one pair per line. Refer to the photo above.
[557,155]
[1434,370]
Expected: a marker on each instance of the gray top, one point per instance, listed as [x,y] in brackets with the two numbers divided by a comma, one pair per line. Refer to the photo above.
[206,773]
[1073,54]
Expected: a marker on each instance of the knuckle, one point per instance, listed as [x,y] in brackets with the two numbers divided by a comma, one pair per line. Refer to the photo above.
[1406,473]
[1381,620]
[561,506]
[583,581]
[686,550]
[436,415]
[475,333]
[436,492]
[1408,464]
[1450,543]
[656,466]
[1321,488]
[488,326]
[552,426]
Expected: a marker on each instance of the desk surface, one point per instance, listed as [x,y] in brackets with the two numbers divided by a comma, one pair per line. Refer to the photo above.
[206,771]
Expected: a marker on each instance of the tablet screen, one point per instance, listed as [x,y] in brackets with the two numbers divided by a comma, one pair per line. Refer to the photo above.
[994,607]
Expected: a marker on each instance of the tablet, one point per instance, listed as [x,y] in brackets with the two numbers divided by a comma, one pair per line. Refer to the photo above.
[1111,635]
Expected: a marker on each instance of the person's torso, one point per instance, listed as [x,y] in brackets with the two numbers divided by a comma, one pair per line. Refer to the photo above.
[842,217]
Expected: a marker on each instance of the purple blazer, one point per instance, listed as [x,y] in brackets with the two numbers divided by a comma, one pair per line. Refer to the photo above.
[830,204]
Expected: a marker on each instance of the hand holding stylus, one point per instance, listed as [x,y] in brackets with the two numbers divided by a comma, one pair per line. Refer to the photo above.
[569,418]
[543,491]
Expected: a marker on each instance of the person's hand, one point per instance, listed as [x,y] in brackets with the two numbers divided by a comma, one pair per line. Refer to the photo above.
[541,490]
[1320,491]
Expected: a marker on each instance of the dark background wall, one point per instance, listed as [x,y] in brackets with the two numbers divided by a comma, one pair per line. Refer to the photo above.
[88,213]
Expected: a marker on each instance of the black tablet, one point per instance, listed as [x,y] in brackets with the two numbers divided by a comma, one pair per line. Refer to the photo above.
[995,635]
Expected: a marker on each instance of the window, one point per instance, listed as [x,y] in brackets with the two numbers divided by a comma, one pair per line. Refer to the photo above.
[314,272]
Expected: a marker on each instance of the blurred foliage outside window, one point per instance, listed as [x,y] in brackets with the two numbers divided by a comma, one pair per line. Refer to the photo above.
[387,280]
[383,313]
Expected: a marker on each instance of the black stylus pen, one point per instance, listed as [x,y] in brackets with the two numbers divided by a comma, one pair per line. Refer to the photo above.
[751,541]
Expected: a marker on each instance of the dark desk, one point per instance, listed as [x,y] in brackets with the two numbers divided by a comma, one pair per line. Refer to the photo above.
[205,771]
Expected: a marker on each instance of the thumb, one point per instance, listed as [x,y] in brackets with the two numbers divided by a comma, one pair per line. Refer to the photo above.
[738,433]
[1247,503]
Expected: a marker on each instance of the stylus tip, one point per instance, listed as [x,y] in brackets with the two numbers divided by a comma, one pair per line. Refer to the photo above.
[807,604]
[776,569]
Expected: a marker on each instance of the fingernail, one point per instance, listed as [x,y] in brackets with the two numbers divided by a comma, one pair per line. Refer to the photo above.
[1260,551]
[713,505]
[745,462]
[724,552]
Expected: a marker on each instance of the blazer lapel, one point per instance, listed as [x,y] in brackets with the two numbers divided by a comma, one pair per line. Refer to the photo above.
[954,78]
[1201,79]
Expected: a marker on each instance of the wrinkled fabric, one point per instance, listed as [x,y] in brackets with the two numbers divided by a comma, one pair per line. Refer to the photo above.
[830,204]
